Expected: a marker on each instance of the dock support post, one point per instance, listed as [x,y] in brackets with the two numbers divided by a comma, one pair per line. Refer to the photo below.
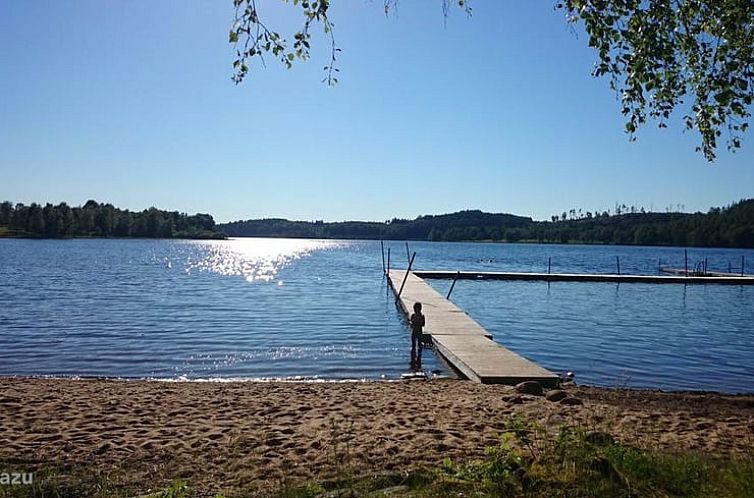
[686,261]
[382,251]
[453,284]
[549,265]
[388,261]
[617,262]
[405,277]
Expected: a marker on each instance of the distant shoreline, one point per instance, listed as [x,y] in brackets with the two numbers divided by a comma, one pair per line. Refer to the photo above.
[732,226]
[728,227]
[219,236]
[489,241]
[100,220]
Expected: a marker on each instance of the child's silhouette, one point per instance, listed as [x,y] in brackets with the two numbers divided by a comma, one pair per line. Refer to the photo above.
[417,323]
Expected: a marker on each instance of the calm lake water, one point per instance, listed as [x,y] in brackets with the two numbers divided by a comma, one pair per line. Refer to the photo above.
[284,308]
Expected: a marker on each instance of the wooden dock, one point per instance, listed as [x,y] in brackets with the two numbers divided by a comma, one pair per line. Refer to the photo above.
[708,273]
[467,346]
[582,277]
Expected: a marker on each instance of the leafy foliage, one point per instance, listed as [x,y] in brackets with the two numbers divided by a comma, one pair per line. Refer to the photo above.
[102,220]
[176,489]
[657,52]
[252,38]
[497,472]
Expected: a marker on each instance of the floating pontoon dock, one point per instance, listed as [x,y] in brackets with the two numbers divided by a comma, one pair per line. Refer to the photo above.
[582,277]
[462,341]
[695,273]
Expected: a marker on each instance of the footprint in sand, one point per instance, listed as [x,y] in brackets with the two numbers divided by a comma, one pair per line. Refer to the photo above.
[273,441]
[442,446]
[315,445]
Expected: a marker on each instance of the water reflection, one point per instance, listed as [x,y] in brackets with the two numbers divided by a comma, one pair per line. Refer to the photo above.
[166,309]
[253,259]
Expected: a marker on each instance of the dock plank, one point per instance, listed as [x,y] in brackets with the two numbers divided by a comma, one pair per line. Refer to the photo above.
[447,318]
[483,360]
[465,344]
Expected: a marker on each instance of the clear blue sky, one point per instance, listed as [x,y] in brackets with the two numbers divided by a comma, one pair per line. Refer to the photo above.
[132,103]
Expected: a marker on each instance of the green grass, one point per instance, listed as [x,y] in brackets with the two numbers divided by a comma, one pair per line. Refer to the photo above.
[528,461]
[575,463]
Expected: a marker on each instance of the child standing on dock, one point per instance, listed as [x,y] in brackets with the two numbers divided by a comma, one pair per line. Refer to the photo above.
[417,324]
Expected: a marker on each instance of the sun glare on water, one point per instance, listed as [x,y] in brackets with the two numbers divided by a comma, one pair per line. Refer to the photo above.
[255,259]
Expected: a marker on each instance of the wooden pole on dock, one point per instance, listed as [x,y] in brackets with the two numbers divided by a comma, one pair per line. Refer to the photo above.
[549,265]
[382,251]
[686,261]
[617,262]
[455,279]
[388,260]
[405,277]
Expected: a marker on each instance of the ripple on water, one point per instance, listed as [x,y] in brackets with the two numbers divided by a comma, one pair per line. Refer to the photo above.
[313,309]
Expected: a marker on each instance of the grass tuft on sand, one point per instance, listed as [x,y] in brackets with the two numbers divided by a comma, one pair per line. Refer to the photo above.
[528,461]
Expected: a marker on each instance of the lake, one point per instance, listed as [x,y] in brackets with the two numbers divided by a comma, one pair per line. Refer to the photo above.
[320,309]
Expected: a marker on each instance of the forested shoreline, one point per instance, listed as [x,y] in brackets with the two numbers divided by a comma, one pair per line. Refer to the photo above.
[101,220]
[731,226]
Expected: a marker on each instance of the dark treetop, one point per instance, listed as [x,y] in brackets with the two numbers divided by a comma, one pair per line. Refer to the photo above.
[101,220]
[732,226]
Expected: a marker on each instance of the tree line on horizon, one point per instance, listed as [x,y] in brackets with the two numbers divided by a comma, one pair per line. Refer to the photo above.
[101,220]
[731,226]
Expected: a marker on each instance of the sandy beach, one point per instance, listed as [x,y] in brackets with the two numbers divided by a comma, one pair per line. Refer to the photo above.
[235,436]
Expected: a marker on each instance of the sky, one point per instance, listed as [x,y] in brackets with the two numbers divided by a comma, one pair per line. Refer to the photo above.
[132,103]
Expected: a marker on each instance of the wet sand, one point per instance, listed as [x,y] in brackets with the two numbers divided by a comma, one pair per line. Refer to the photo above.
[233,436]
